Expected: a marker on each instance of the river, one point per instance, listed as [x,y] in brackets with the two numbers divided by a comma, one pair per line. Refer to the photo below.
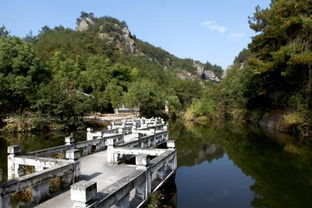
[220,166]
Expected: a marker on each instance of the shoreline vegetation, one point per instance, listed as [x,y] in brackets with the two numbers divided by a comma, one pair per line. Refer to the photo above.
[31,123]
[270,82]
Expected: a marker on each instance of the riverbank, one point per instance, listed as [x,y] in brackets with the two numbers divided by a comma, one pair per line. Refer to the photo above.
[282,120]
[34,123]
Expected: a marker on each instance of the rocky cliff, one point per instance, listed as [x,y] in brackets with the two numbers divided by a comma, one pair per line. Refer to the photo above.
[118,34]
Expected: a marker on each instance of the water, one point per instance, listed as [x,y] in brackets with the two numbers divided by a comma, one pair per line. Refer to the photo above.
[222,166]
[219,166]
[31,142]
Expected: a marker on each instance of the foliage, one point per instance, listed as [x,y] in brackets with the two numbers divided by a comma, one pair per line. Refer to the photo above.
[20,74]
[62,73]
[274,72]
[146,95]
[4,32]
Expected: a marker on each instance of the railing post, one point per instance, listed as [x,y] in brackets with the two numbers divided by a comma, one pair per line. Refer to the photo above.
[171,144]
[140,191]
[73,155]
[149,176]
[69,140]
[12,166]
[89,134]
[83,193]
[110,150]
[141,161]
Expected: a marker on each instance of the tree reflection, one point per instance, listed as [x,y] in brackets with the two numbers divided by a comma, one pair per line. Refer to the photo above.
[281,178]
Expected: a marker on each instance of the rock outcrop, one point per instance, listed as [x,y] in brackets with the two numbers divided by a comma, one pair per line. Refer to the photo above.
[118,34]
[125,41]
[84,24]
[129,41]
[205,73]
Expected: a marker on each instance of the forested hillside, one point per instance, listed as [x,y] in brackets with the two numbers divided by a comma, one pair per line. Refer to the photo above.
[64,73]
[270,82]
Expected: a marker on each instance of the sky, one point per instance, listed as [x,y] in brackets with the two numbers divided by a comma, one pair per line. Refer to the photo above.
[204,30]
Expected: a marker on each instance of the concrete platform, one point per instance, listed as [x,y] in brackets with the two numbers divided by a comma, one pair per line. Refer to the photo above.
[94,167]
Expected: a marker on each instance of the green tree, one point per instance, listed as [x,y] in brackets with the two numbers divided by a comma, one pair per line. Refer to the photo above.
[4,32]
[147,96]
[20,73]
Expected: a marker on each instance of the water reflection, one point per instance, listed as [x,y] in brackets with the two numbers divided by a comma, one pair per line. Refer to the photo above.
[219,165]
[31,142]
[230,166]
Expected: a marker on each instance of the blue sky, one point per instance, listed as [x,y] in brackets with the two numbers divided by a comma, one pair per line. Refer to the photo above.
[205,30]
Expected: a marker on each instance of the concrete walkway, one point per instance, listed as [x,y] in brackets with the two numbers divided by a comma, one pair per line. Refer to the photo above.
[94,167]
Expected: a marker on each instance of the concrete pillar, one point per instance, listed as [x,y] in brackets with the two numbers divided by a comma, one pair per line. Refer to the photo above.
[140,191]
[73,154]
[12,167]
[120,130]
[149,178]
[82,193]
[40,192]
[110,150]
[123,203]
[89,134]
[171,144]
[142,161]
[67,179]
[69,140]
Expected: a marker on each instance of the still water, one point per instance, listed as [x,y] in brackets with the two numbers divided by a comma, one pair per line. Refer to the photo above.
[220,166]
[31,142]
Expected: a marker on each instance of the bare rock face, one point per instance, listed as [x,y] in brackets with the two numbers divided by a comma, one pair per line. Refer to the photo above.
[204,73]
[199,68]
[184,75]
[83,25]
[130,42]
[208,74]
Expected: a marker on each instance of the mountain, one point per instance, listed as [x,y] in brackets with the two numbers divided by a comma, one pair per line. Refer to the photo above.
[117,34]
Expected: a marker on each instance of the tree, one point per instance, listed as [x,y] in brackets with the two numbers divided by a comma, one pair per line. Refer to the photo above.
[147,96]
[4,32]
[20,73]
[282,49]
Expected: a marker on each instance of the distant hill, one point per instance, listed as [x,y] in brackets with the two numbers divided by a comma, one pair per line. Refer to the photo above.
[117,34]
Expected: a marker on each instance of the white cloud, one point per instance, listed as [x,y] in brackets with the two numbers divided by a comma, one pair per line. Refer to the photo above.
[213,26]
[237,35]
